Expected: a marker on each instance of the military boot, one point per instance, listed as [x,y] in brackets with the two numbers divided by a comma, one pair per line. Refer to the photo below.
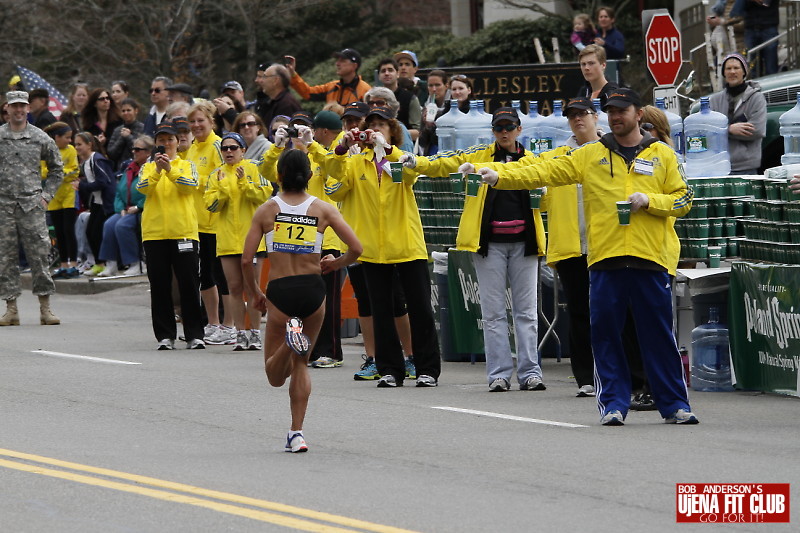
[46,316]
[11,318]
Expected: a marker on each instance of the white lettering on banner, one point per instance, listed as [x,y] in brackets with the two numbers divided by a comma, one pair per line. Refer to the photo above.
[469,290]
[663,49]
[771,321]
[778,361]
[689,504]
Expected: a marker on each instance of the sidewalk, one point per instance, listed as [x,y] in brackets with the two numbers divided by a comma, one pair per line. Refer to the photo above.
[89,285]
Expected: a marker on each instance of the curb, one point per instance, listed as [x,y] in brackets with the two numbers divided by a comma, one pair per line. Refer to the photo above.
[84,285]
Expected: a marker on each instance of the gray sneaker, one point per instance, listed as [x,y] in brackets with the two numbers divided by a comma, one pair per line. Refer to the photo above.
[221,335]
[166,344]
[613,418]
[499,385]
[254,340]
[388,381]
[242,342]
[585,391]
[682,416]
[195,344]
[532,383]
[424,380]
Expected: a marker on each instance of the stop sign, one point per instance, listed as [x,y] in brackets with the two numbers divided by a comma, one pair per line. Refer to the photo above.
[662,44]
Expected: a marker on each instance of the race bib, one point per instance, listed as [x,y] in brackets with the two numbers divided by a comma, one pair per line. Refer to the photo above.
[294,234]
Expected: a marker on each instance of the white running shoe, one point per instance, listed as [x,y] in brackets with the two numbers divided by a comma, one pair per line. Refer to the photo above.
[242,342]
[134,270]
[585,391]
[295,338]
[254,340]
[110,270]
[221,335]
[295,443]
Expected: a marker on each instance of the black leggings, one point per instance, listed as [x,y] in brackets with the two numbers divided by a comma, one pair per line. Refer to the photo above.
[94,229]
[359,284]
[64,224]
[211,273]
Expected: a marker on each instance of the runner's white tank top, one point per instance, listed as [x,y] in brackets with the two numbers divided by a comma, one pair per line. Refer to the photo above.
[294,231]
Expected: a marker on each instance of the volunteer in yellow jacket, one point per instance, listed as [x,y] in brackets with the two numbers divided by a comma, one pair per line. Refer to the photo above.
[62,208]
[507,237]
[205,154]
[327,353]
[628,263]
[235,190]
[385,216]
[169,235]
[294,222]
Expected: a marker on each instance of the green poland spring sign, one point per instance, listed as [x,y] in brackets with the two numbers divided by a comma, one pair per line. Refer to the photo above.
[465,304]
[764,315]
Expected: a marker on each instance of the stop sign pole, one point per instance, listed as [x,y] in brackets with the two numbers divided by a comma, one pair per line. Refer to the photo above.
[662,46]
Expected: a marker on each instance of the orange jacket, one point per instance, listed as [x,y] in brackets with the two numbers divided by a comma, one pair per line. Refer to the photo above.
[333,91]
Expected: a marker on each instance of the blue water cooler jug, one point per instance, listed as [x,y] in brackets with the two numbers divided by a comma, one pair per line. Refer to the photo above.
[532,129]
[468,128]
[706,135]
[790,131]
[711,363]
[444,127]
[675,128]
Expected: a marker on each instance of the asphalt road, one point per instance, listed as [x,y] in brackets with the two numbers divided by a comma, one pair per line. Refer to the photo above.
[193,441]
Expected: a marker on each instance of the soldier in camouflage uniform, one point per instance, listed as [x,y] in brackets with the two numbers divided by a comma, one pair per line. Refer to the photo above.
[22,207]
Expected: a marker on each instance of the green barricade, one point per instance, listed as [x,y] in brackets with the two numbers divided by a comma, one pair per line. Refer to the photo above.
[465,304]
[764,316]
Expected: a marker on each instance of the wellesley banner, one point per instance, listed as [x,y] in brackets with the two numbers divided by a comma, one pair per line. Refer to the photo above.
[764,329]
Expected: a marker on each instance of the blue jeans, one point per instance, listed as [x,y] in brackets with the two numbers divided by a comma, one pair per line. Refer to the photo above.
[120,239]
[507,261]
[769,54]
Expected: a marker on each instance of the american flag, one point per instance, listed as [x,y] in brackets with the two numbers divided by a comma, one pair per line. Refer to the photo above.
[31,80]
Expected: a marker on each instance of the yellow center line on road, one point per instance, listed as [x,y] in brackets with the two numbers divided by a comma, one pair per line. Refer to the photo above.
[191,496]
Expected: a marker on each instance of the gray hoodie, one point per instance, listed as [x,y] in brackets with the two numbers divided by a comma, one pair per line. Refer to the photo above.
[745,151]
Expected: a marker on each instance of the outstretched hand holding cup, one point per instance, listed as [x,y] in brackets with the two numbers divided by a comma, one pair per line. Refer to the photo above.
[466,168]
[488,176]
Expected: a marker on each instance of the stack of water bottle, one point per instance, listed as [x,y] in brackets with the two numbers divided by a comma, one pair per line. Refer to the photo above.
[774,234]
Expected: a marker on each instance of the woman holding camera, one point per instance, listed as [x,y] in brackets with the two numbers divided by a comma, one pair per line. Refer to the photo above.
[384,213]
[170,239]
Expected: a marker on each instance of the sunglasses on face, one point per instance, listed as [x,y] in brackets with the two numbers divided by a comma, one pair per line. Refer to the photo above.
[252,124]
[578,114]
[507,127]
[103,98]
[137,149]
[155,90]
[229,148]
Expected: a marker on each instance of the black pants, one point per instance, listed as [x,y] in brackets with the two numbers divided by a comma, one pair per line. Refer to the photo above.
[94,229]
[416,283]
[163,257]
[359,284]
[574,277]
[64,224]
[329,341]
[211,273]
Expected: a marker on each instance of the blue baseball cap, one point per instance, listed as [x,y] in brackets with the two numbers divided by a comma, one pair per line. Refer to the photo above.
[407,54]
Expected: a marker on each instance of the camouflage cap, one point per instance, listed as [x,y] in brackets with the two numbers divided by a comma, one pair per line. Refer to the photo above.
[17,97]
